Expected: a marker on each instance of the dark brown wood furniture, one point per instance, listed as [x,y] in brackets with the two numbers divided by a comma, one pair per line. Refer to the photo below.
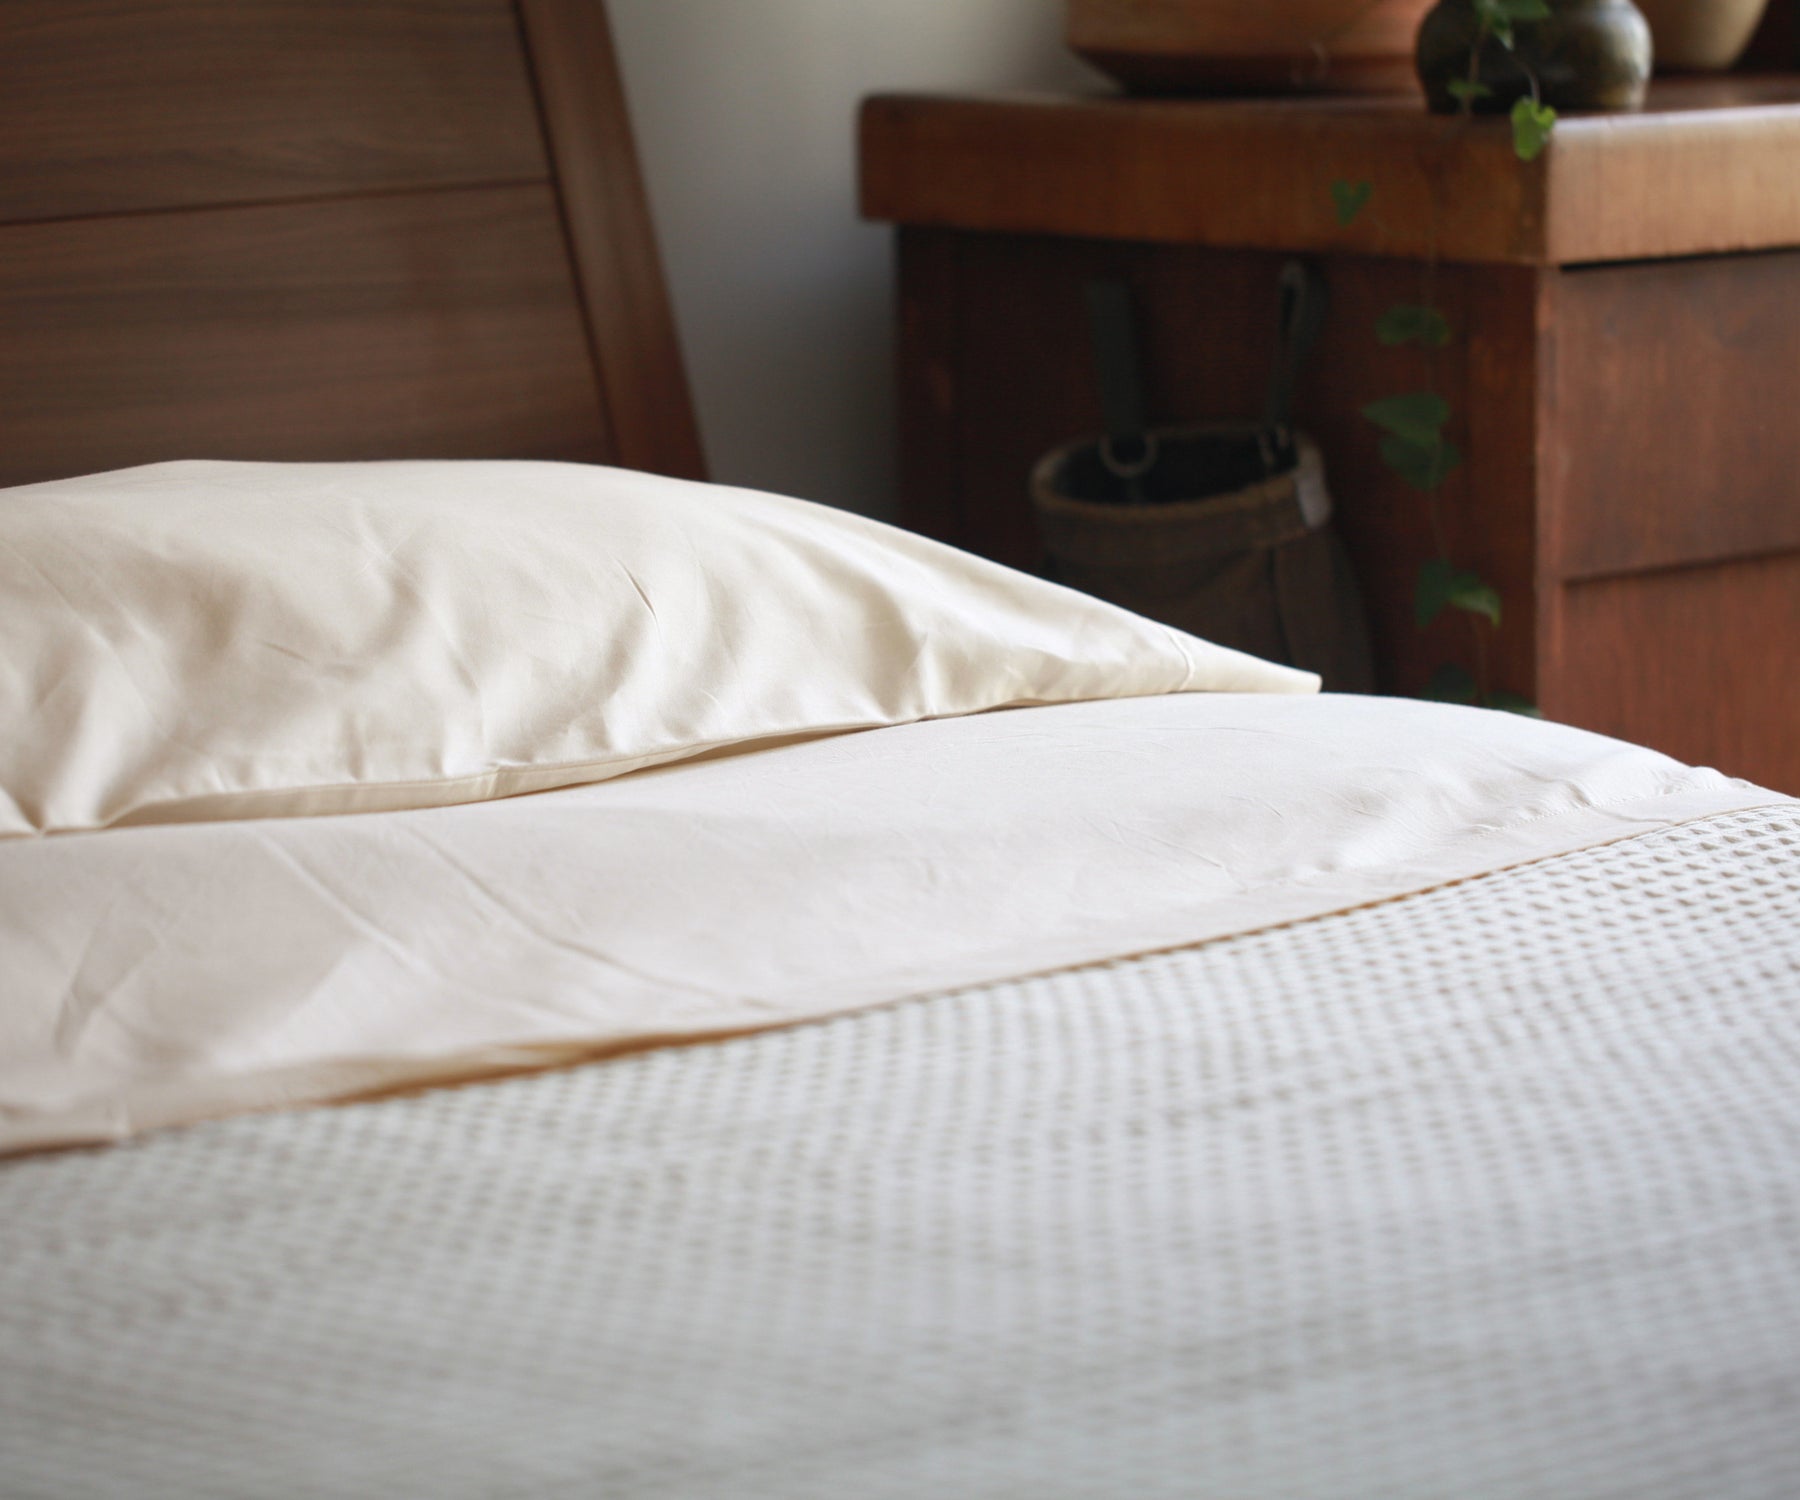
[1625,377]
[325,229]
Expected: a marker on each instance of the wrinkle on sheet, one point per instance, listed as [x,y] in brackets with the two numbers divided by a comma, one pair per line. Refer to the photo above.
[87,995]
[586,952]
[334,901]
[524,1004]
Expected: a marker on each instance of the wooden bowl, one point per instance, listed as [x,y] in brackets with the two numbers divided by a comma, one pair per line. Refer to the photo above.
[1250,46]
[1701,35]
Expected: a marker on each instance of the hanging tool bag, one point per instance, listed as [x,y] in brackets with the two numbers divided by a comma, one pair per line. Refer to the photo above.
[1222,530]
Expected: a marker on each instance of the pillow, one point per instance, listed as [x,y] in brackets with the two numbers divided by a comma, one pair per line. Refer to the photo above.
[232,640]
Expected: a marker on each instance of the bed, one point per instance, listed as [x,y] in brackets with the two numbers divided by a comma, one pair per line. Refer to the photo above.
[526,974]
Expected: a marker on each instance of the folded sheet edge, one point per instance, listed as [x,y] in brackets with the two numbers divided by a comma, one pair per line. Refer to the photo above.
[157,1104]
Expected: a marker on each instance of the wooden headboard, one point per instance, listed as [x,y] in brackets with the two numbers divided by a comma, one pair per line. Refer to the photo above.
[312,229]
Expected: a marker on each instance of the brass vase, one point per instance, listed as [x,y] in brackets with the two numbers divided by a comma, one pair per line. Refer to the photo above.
[1590,54]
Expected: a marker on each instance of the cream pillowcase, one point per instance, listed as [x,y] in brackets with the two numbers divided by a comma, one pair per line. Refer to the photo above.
[200,640]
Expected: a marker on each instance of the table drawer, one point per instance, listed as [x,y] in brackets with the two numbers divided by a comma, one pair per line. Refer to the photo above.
[1671,384]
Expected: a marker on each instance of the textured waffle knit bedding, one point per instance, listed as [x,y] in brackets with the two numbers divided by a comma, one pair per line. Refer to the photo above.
[1485,1193]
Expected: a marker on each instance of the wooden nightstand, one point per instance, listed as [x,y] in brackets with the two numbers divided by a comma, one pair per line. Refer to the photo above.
[1625,377]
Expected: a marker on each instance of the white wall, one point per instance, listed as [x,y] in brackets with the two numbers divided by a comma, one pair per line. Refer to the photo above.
[745,113]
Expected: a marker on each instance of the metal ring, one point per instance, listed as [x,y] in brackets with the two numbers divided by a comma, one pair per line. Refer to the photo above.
[1136,469]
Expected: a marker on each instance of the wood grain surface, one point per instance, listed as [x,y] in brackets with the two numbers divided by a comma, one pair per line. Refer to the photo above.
[1677,401]
[930,373]
[1227,174]
[108,106]
[1695,662]
[325,229]
[429,325]
[1708,167]
[630,321]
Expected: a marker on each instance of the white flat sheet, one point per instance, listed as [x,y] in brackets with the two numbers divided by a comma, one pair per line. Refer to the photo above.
[165,974]
[1487,1193]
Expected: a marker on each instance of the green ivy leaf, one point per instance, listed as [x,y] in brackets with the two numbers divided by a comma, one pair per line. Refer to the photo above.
[1442,586]
[1351,198]
[1424,467]
[1495,21]
[1532,124]
[1417,417]
[1479,598]
[1413,325]
[1512,703]
[1415,447]
[1467,90]
[1498,16]
[1450,684]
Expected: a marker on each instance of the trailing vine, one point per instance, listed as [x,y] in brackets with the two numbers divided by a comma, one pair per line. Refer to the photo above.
[1413,424]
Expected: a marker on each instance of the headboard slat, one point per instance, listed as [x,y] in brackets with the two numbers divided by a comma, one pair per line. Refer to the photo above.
[129,105]
[617,265]
[393,326]
[325,229]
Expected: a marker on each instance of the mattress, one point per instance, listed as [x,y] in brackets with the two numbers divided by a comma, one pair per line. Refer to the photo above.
[1484,1191]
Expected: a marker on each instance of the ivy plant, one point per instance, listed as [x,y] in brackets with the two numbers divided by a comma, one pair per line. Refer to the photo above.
[1412,424]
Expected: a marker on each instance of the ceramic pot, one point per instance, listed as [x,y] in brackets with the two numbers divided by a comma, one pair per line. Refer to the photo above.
[1590,54]
[1701,35]
[1250,46]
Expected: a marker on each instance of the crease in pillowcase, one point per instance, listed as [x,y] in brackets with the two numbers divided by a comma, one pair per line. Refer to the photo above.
[642,593]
